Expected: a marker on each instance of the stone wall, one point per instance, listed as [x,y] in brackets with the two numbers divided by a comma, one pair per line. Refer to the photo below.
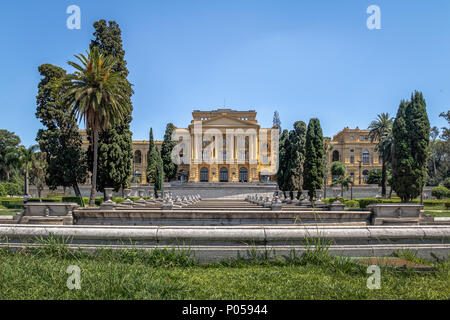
[231,190]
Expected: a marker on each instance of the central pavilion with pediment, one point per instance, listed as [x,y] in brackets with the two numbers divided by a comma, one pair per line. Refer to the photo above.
[239,159]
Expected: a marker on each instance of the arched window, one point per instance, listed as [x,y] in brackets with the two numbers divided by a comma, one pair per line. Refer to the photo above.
[335,156]
[204,175]
[223,176]
[243,175]
[366,157]
[137,157]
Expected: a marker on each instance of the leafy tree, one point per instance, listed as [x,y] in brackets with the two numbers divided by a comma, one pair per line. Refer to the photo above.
[170,168]
[411,134]
[295,151]
[38,171]
[115,146]
[8,140]
[61,140]
[381,130]
[440,192]
[159,174]
[447,183]
[2,190]
[21,157]
[339,174]
[99,96]
[375,177]
[283,157]
[439,155]
[276,121]
[445,130]
[313,171]
[12,189]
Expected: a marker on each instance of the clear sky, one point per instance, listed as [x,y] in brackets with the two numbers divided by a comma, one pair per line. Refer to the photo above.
[303,58]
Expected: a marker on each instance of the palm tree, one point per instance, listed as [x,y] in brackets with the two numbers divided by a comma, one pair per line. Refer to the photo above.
[98,95]
[21,158]
[381,131]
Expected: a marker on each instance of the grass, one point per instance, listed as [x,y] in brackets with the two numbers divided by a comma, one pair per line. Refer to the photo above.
[5,211]
[442,213]
[170,274]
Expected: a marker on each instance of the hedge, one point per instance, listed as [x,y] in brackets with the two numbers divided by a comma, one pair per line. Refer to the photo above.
[11,203]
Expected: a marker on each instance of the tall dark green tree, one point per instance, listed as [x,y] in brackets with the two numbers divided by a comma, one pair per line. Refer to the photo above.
[170,168]
[60,141]
[152,159]
[295,157]
[283,157]
[115,149]
[159,174]
[313,171]
[411,134]
[276,121]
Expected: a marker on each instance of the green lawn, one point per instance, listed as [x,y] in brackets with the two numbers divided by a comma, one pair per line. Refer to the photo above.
[443,213]
[8,212]
[41,274]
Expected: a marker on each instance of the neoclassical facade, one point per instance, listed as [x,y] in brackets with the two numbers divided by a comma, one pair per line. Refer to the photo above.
[226,145]
[354,148]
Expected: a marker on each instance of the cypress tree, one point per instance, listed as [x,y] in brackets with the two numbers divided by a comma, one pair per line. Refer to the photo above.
[152,159]
[296,157]
[411,134]
[159,173]
[313,171]
[170,168]
[115,149]
[282,160]
[60,141]
[276,121]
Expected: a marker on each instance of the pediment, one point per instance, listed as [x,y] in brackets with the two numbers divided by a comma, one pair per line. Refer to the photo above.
[225,121]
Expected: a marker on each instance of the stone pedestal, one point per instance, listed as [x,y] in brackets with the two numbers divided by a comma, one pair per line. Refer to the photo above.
[397,213]
[337,206]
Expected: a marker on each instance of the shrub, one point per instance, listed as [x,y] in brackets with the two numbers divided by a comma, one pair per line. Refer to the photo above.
[79,201]
[351,203]
[12,189]
[2,190]
[439,192]
[45,200]
[447,205]
[117,199]
[363,203]
[12,203]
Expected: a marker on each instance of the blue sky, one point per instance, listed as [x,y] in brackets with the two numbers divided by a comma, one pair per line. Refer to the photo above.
[303,58]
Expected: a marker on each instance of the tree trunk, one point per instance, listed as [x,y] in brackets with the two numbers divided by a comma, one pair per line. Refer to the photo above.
[39,194]
[383,179]
[342,190]
[94,169]
[26,179]
[76,189]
